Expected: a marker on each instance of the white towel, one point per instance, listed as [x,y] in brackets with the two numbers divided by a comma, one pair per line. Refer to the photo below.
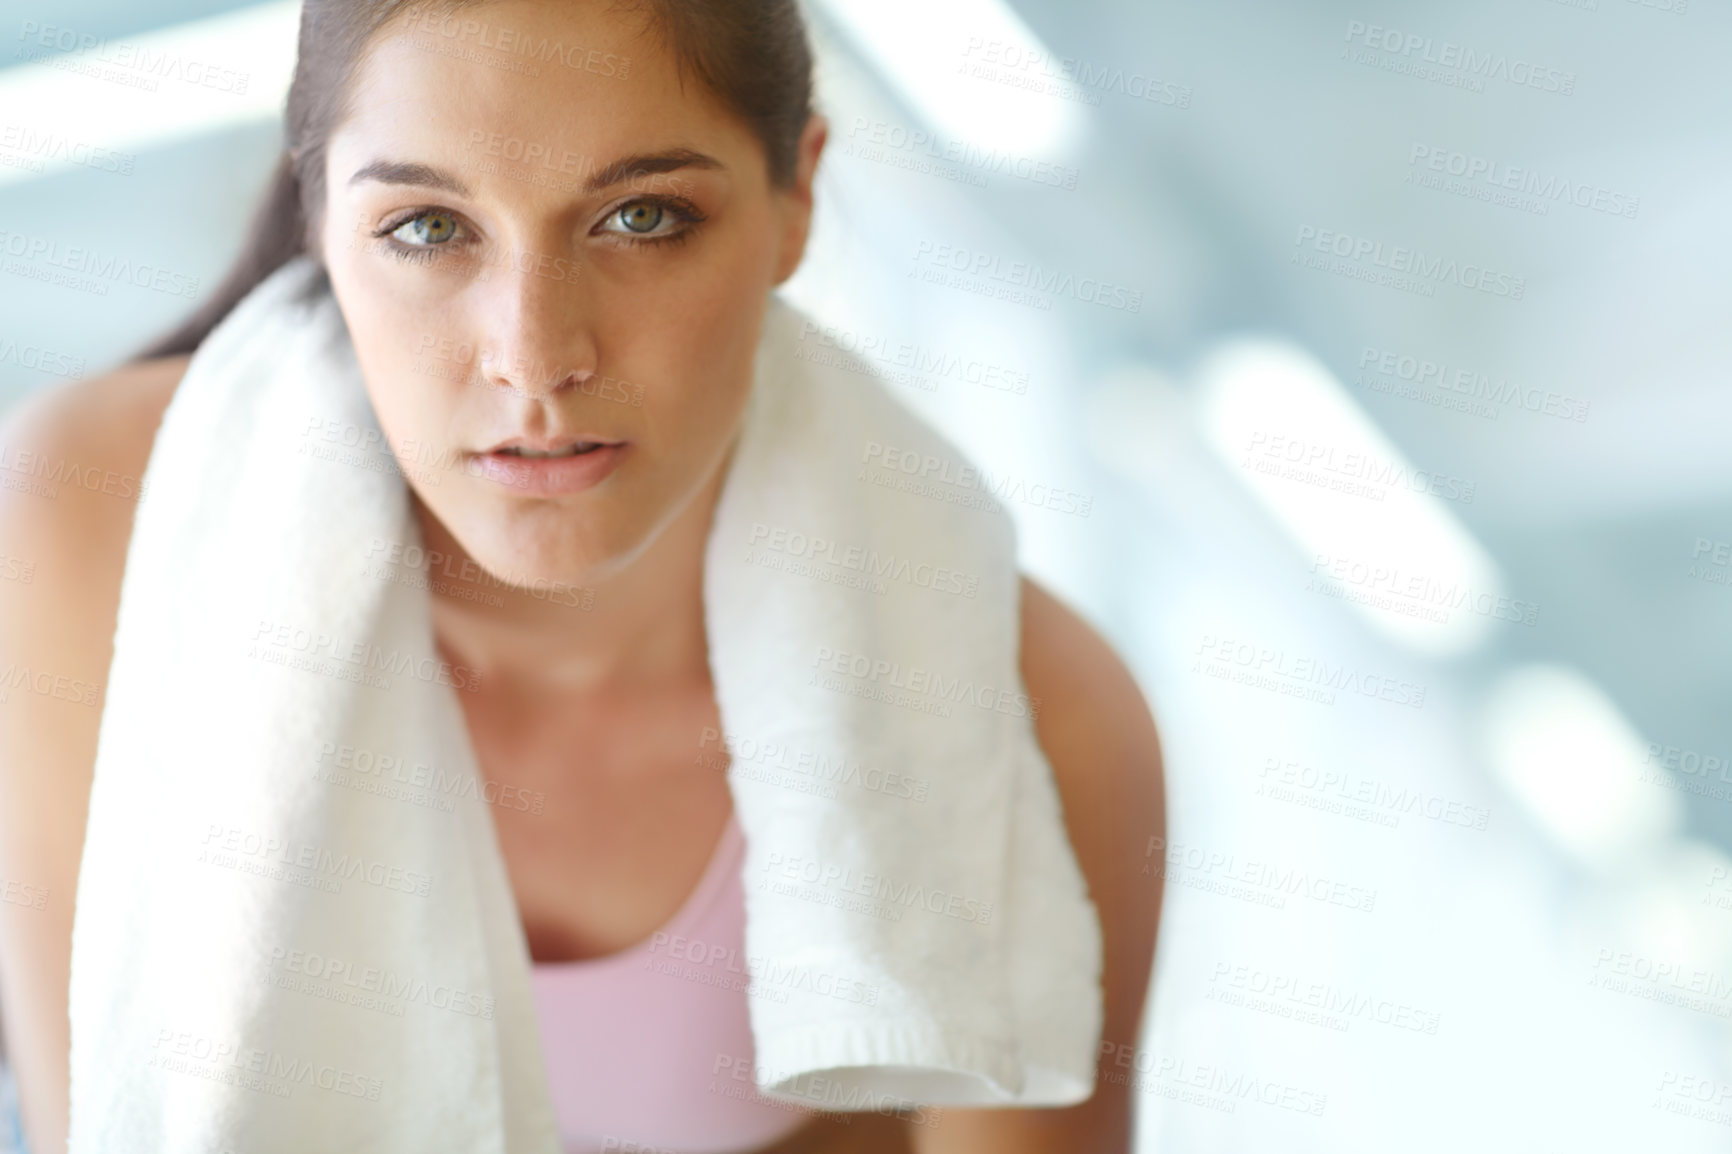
[294,929]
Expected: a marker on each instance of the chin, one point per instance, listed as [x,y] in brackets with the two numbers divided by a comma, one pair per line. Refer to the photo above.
[536,555]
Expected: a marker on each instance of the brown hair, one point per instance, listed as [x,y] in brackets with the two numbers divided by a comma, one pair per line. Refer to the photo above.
[752,55]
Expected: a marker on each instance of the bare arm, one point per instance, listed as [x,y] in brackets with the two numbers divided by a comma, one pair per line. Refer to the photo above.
[74,457]
[1096,731]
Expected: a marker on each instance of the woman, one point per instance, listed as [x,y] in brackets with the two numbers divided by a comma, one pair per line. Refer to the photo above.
[552,234]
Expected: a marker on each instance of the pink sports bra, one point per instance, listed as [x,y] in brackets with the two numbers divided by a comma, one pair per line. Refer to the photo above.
[649,1050]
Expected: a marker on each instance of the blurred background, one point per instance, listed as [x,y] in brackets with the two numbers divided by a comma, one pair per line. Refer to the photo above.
[1360,370]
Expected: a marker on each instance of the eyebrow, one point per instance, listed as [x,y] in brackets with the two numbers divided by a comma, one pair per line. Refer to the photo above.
[624,169]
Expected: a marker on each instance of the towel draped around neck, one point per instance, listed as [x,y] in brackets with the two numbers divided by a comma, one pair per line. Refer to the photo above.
[294,930]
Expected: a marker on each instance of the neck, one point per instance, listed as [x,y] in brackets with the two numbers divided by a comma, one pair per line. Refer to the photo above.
[642,626]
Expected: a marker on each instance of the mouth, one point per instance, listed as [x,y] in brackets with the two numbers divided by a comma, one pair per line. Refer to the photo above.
[534,451]
[549,467]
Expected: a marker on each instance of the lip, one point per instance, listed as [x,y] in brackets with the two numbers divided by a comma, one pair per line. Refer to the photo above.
[548,476]
[550,444]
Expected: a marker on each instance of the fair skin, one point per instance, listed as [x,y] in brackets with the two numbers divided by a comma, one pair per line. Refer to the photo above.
[551,291]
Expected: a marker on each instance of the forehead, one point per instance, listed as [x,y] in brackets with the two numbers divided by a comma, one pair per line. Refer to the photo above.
[583,78]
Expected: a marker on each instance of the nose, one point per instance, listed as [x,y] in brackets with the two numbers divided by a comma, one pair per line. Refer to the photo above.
[537,332]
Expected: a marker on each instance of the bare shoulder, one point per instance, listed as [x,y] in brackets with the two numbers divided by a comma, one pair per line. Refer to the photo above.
[1097,732]
[1088,698]
[112,418]
[1096,729]
[71,462]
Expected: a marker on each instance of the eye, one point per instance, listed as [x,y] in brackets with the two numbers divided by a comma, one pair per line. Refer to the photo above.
[641,217]
[426,230]
[652,220]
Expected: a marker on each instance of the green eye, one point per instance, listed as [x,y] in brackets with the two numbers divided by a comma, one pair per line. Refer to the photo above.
[652,220]
[641,217]
[430,228]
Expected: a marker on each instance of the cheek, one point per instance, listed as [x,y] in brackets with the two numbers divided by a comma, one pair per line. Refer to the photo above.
[414,377]
[402,410]
[716,321]
[698,373]
[406,354]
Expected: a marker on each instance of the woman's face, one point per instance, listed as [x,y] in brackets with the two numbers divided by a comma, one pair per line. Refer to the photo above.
[541,244]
